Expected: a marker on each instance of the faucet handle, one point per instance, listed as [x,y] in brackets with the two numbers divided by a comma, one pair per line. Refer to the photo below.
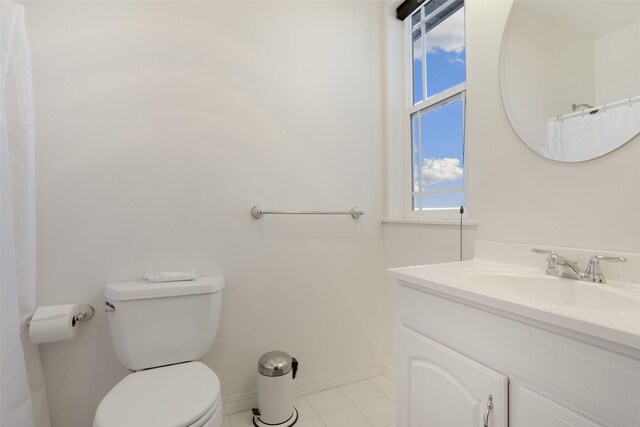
[553,256]
[593,271]
[552,260]
[544,251]
[597,258]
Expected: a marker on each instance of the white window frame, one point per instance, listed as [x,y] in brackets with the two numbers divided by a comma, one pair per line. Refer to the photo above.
[429,104]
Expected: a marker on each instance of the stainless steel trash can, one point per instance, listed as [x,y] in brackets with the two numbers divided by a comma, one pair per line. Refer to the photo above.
[276,371]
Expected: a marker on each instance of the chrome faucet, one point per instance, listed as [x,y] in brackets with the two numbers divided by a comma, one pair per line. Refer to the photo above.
[557,263]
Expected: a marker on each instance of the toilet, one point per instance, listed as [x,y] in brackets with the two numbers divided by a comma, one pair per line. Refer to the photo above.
[159,331]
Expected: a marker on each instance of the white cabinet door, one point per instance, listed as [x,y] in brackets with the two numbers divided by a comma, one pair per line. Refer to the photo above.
[439,387]
[532,408]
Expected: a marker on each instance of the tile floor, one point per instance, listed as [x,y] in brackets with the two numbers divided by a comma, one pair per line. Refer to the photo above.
[368,403]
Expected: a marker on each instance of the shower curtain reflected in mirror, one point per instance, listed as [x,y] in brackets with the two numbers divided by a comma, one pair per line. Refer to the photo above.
[22,393]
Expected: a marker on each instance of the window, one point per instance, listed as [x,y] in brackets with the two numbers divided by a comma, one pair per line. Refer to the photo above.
[436,106]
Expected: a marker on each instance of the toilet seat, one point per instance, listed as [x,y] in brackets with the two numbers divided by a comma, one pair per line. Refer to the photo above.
[204,421]
[183,395]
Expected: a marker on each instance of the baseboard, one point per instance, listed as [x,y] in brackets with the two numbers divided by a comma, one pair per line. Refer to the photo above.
[388,372]
[246,401]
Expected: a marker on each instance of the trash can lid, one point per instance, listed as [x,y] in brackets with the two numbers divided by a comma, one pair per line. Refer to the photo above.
[275,364]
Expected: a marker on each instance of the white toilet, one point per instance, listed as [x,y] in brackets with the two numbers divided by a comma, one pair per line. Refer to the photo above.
[158,330]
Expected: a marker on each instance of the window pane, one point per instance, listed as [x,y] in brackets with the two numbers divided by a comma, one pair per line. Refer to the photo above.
[415,203]
[416,17]
[418,92]
[445,47]
[434,5]
[437,11]
[442,156]
[443,200]
[415,159]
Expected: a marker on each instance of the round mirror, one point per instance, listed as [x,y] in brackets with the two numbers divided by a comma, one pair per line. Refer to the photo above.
[570,75]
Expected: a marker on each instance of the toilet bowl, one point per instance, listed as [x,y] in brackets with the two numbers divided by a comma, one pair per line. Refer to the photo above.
[158,331]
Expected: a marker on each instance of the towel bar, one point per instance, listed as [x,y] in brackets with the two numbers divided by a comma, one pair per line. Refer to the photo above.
[257,212]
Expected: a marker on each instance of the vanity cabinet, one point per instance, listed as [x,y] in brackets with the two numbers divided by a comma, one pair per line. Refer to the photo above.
[453,353]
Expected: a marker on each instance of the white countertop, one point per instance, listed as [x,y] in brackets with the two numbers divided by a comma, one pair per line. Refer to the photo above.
[608,311]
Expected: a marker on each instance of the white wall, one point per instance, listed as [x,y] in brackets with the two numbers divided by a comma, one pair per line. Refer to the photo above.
[617,64]
[159,125]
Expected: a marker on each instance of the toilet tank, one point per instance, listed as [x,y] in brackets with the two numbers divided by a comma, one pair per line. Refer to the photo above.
[161,323]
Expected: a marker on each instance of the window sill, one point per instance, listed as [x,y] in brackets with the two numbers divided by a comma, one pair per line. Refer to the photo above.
[449,222]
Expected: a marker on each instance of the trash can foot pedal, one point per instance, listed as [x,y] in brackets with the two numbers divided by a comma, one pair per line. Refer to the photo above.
[291,421]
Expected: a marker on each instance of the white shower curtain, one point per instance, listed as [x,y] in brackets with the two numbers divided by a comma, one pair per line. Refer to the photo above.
[585,137]
[22,392]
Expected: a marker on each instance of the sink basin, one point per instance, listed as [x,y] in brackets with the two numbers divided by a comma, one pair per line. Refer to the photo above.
[553,291]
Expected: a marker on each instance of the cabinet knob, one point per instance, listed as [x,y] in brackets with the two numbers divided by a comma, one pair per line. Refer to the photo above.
[488,410]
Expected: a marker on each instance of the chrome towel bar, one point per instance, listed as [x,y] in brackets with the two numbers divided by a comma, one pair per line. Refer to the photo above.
[257,212]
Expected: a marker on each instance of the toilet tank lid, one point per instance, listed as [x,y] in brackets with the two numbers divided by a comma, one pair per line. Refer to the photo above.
[142,289]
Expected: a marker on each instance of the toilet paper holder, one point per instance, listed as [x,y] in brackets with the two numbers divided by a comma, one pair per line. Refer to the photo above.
[85,312]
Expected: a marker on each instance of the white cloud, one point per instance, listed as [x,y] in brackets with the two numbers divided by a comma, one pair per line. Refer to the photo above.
[449,35]
[417,51]
[441,170]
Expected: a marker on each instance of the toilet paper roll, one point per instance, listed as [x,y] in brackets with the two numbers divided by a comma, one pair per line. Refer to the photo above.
[53,323]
